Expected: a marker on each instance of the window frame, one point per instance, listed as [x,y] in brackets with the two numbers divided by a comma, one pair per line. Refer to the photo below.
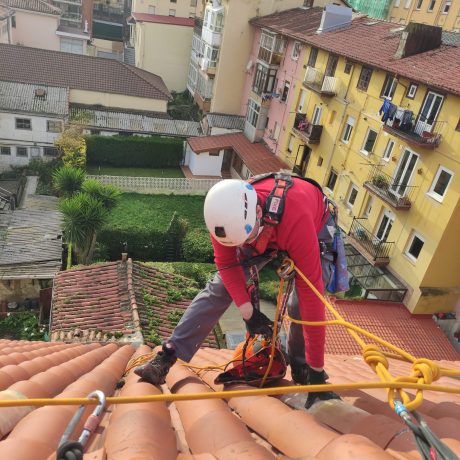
[253,113]
[407,4]
[290,144]
[419,5]
[172,12]
[409,244]
[286,89]
[4,148]
[447,3]
[295,52]
[348,130]
[57,123]
[431,192]
[366,138]
[22,148]
[388,150]
[364,78]
[431,5]
[392,82]
[47,149]
[353,188]
[368,207]
[412,91]
[19,121]
[313,57]
[332,180]
[264,79]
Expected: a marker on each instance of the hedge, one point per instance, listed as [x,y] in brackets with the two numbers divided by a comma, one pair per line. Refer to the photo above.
[134,151]
[197,247]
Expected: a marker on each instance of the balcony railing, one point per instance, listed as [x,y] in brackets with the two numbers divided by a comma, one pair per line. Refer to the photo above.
[270,57]
[310,133]
[398,195]
[318,82]
[371,247]
[423,132]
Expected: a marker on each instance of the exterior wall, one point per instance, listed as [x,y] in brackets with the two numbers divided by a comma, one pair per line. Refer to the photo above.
[5,30]
[203,164]
[78,96]
[231,71]
[182,8]
[35,30]
[164,50]
[436,17]
[19,290]
[34,139]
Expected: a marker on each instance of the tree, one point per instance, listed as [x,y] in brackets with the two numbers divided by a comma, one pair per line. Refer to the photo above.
[68,180]
[72,146]
[107,194]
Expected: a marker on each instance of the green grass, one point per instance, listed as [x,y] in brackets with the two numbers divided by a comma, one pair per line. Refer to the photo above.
[134,172]
[155,211]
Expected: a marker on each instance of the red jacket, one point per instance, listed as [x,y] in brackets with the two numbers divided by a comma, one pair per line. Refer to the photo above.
[296,234]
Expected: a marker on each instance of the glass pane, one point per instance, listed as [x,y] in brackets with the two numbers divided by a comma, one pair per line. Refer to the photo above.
[442,183]
[415,247]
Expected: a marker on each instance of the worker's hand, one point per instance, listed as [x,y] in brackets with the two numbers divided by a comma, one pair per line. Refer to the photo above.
[258,323]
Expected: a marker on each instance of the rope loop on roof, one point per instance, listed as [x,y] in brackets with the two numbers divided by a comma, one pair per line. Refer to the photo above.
[427,370]
[373,356]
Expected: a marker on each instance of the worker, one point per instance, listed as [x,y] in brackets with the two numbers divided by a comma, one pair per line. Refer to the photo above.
[235,217]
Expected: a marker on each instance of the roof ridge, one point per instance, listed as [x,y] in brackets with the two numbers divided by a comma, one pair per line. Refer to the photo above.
[132,295]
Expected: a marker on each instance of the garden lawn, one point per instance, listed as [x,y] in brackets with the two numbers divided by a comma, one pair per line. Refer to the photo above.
[133,172]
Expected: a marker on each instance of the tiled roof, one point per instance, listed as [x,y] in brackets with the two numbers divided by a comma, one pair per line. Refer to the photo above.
[222,120]
[416,334]
[263,427]
[40,6]
[160,19]
[371,42]
[121,120]
[256,157]
[124,301]
[20,97]
[75,71]
[30,244]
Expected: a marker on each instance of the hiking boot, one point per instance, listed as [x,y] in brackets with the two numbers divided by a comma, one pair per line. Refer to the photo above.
[155,371]
[318,378]
[300,373]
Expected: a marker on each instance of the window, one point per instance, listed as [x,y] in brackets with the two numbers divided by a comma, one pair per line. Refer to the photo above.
[364,78]
[396,3]
[253,113]
[368,208]
[23,123]
[21,151]
[419,4]
[414,246]
[457,128]
[5,150]
[173,1]
[348,67]
[407,4]
[51,151]
[440,183]
[331,65]
[301,103]
[264,80]
[290,145]
[369,141]
[319,162]
[172,12]
[431,5]
[446,6]
[411,91]
[53,126]
[151,9]
[285,93]
[352,194]
[13,22]
[316,119]
[71,45]
[389,86]
[384,228]
[331,180]
[403,173]
[312,58]
[388,150]
[214,153]
[295,51]
[348,130]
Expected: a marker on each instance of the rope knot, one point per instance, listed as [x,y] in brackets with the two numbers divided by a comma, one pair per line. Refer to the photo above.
[373,356]
[426,369]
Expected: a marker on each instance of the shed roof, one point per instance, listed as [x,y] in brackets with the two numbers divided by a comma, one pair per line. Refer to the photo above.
[39,6]
[223,120]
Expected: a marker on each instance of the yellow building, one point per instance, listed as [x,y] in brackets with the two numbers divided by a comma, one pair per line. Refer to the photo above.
[442,13]
[394,174]
[178,8]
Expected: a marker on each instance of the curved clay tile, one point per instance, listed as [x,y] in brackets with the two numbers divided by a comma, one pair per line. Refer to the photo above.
[16,373]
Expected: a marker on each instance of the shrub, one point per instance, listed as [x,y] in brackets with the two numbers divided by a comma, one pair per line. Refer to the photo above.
[197,247]
[201,273]
[134,151]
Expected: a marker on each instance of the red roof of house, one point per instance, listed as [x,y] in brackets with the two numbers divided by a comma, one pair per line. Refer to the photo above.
[255,156]
[419,335]
[160,19]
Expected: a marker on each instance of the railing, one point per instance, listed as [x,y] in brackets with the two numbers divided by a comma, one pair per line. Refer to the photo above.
[398,195]
[318,82]
[158,185]
[421,133]
[269,56]
[73,17]
[304,129]
[377,249]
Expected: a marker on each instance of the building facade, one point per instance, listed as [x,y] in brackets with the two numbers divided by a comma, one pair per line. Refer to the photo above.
[380,132]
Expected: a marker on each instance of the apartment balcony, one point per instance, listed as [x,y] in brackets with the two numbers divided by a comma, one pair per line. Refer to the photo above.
[398,195]
[198,27]
[309,133]
[208,66]
[212,37]
[319,83]
[270,57]
[377,252]
[71,18]
[423,133]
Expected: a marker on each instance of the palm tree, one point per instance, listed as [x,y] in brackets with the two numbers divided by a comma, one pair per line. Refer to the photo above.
[84,216]
[68,180]
[107,194]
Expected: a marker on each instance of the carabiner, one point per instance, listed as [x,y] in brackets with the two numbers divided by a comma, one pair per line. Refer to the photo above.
[286,270]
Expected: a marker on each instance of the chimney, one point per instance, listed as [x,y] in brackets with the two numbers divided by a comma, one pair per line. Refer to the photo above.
[334,17]
[124,257]
[417,38]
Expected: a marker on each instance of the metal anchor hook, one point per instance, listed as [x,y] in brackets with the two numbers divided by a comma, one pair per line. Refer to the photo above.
[286,270]
[69,450]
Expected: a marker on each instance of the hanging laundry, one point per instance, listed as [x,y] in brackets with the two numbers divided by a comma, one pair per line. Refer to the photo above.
[406,120]
[385,109]
[392,111]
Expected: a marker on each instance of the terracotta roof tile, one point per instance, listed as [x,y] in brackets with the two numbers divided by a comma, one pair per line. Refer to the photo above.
[362,426]
[160,19]
[74,71]
[38,6]
[256,156]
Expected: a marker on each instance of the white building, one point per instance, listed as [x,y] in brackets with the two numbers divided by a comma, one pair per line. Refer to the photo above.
[31,118]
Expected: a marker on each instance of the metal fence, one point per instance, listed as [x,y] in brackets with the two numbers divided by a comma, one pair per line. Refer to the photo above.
[158,185]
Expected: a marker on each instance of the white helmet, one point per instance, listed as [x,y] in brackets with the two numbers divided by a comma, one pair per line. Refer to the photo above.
[230,211]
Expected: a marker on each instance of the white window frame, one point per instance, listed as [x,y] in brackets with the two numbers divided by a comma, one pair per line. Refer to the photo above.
[431,192]
[20,121]
[300,105]
[389,218]
[431,6]
[388,150]
[348,130]
[412,91]
[366,152]
[407,4]
[252,116]
[295,53]
[396,3]
[317,113]
[71,45]
[172,12]
[54,126]
[410,241]
[352,194]
[369,204]
[447,3]
[290,144]
[419,5]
